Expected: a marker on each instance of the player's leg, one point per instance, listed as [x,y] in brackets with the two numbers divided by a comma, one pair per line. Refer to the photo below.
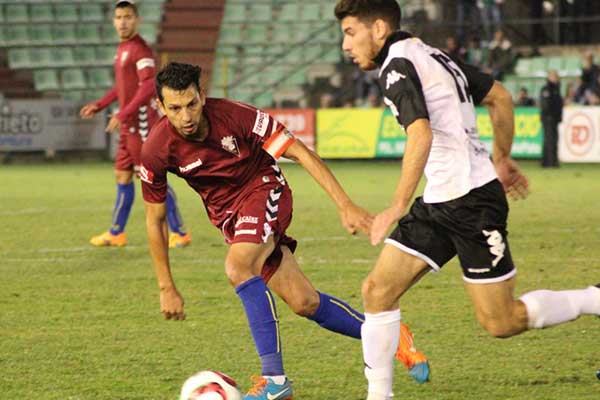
[243,264]
[394,273]
[179,237]
[503,316]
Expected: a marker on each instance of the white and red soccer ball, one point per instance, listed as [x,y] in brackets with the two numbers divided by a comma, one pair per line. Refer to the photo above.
[210,385]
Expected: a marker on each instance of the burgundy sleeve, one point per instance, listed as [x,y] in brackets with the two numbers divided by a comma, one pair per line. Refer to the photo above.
[261,128]
[153,174]
[146,71]
[107,99]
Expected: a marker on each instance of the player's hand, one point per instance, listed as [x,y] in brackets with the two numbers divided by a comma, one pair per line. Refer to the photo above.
[88,111]
[171,304]
[356,218]
[113,125]
[382,223]
[514,182]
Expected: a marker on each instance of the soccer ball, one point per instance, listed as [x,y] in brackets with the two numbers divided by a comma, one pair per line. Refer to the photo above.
[210,385]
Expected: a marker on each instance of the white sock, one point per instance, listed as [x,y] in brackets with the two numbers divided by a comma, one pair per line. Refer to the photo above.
[547,308]
[278,379]
[380,336]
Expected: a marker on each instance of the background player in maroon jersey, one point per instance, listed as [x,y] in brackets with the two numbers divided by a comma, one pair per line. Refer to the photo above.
[227,151]
[134,89]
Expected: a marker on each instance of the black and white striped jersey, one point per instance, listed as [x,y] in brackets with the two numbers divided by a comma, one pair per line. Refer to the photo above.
[420,81]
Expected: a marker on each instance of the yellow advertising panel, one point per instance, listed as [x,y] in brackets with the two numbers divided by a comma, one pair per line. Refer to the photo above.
[348,133]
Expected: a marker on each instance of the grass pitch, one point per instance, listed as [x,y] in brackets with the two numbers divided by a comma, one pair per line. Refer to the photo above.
[78,322]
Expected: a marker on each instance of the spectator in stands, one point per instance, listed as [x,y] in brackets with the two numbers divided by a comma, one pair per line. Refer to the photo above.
[475,53]
[454,49]
[491,15]
[589,71]
[574,93]
[500,58]
[366,83]
[551,105]
[523,98]
[466,15]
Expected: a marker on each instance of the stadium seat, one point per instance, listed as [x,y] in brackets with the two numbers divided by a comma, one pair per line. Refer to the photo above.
[260,12]
[105,55]
[46,79]
[73,78]
[40,35]
[16,35]
[88,34]
[41,57]
[263,100]
[73,95]
[62,57]
[234,12]
[572,66]
[523,66]
[539,67]
[230,34]
[289,12]
[84,55]
[282,33]
[332,54]
[16,13]
[296,77]
[310,12]
[66,12]
[41,13]
[149,32]
[151,12]
[257,33]
[100,78]
[109,35]
[19,58]
[555,63]
[91,12]
[64,34]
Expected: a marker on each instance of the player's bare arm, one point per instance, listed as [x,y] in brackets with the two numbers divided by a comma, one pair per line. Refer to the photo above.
[113,125]
[171,302]
[353,217]
[418,145]
[89,111]
[501,109]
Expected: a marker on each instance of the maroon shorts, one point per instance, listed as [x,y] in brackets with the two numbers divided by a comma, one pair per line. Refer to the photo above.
[265,212]
[129,151]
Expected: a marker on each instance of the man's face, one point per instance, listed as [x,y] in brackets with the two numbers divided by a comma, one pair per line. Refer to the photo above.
[183,108]
[125,22]
[359,42]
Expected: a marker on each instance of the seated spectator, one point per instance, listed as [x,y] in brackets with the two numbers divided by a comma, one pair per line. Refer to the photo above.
[500,58]
[454,49]
[523,98]
[574,94]
[475,54]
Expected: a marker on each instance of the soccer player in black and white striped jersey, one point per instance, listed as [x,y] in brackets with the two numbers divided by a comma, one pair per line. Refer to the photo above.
[463,210]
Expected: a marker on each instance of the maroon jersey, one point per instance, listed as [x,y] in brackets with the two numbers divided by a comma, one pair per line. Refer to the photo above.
[134,87]
[236,158]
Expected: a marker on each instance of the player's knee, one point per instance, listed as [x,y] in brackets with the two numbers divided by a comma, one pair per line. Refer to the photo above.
[374,292]
[497,328]
[237,274]
[305,305]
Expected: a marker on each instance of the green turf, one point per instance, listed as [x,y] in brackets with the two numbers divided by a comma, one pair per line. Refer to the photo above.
[84,323]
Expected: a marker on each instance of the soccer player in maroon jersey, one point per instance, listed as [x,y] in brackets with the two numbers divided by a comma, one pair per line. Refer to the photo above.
[134,89]
[227,151]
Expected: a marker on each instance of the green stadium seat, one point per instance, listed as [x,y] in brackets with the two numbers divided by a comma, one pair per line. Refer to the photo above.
[88,34]
[73,95]
[105,55]
[296,77]
[572,66]
[41,57]
[40,34]
[149,32]
[64,34]
[282,33]
[555,63]
[230,34]
[2,19]
[14,13]
[539,67]
[46,79]
[523,66]
[109,35]
[150,12]
[95,94]
[41,13]
[100,78]
[310,12]
[260,12]
[263,100]
[257,33]
[91,12]
[313,52]
[19,58]
[16,35]
[66,12]
[73,78]
[301,32]
[333,55]
[62,57]
[289,13]
[84,55]
[234,12]
[295,56]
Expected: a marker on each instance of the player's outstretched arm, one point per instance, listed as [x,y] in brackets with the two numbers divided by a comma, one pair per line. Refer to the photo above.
[171,302]
[501,109]
[418,145]
[353,217]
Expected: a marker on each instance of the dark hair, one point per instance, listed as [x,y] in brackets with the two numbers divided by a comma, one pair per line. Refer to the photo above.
[370,10]
[125,4]
[177,76]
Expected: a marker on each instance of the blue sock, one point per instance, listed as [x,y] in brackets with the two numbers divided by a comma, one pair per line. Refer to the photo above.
[125,196]
[337,316]
[173,217]
[262,318]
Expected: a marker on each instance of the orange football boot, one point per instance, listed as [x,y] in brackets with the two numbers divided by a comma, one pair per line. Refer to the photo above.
[176,240]
[108,239]
[415,361]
